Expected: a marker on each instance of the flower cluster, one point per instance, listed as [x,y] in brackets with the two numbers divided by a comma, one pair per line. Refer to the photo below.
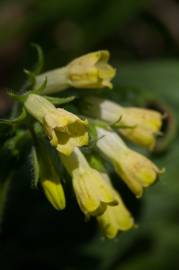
[67,133]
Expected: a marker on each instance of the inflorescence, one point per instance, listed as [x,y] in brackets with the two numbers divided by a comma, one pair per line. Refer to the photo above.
[104,122]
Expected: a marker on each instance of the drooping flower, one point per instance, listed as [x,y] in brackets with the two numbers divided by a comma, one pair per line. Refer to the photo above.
[115,218]
[136,170]
[92,193]
[64,129]
[139,125]
[88,71]
[48,176]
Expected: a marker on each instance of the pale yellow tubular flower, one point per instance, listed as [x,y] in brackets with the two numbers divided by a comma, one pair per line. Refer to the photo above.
[139,125]
[137,171]
[54,192]
[91,71]
[88,71]
[115,218]
[64,129]
[92,193]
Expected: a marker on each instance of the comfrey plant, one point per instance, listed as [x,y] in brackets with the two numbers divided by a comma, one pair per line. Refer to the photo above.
[81,139]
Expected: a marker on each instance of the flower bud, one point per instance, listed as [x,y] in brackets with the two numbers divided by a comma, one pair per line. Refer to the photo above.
[54,192]
[46,173]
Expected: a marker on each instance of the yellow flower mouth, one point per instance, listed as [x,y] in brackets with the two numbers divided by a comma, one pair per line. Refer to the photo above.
[135,170]
[69,137]
[91,71]
[92,193]
[145,126]
[115,219]
[66,131]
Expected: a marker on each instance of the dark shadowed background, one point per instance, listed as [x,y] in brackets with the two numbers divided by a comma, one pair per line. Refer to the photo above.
[143,38]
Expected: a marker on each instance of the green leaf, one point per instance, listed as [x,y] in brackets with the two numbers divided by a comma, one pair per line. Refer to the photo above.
[31,74]
[31,77]
[40,59]
[20,98]
[60,101]
[4,188]
[16,121]
[154,79]
[39,90]
[35,168]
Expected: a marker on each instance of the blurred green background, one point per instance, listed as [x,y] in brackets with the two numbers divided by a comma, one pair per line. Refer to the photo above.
[143,38]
